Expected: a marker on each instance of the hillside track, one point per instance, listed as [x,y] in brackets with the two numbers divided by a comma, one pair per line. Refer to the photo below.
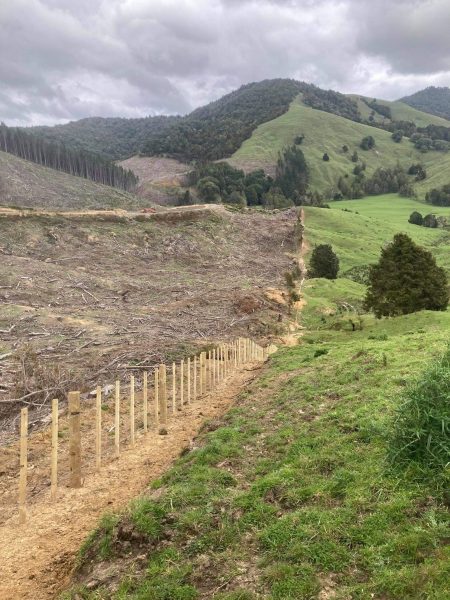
[37,559]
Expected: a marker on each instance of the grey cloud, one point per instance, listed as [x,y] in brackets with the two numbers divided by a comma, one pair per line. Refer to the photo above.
[68,59]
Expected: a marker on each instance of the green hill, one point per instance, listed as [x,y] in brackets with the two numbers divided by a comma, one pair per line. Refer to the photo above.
[400,111]
[326,132]
[434,100]
[290,494]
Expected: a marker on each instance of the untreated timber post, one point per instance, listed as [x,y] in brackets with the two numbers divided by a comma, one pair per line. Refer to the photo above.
[156,398]
[181,383]
[174,389]
[189,380]
[23,465]
[163,394]
[117,421]
[98,428]
[214,367]
[194,383]
[54,459]
[132,424]
[74,440]
[145,400]
[200,360]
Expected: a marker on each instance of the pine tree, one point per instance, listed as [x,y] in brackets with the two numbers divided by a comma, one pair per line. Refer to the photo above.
[405,280]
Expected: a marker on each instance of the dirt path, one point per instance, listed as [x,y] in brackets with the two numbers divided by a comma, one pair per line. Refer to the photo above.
[37,558]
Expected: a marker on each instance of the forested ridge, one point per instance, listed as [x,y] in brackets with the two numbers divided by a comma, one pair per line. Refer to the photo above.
[218,129]
[433,100]
[210,132]
[112,138]
[56,156]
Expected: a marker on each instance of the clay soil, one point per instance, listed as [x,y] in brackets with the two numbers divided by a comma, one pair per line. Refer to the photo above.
[37,558]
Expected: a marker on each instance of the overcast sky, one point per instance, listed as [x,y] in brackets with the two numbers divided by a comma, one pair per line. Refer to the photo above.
[62,60]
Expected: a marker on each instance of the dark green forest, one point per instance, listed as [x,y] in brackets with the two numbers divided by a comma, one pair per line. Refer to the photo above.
[433,100]
[113,138]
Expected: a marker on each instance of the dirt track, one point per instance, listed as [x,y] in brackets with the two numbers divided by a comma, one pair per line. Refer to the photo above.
[37,559]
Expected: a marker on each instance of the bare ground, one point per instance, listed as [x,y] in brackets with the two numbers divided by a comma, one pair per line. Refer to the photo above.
[92,295]
[159,178]
[38,558]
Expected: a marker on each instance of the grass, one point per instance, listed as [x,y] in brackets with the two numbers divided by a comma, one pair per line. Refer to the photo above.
[292,494]
[293,491]
[400,112]
[325,132]
[357,229]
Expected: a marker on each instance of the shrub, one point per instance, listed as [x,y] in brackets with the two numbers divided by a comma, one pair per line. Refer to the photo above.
[430,220]
[325,157]
[421,430]
[324,262]
[397,136]
[355,157]
[415,218]
[367,143]
[345,148]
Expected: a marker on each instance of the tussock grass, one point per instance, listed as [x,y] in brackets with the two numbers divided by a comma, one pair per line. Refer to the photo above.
[421,432]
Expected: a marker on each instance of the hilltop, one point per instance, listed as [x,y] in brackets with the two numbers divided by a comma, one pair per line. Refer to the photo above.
[433,100]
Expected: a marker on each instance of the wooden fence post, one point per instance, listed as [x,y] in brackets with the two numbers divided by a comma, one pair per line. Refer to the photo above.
[189,380]
[132,424]
[23,465]
[156,398]
[54,460]
[163,394]
[200,361]
[214,367]
[117,421]
[98,428]
[181,383]
[194,387]
[74,440]
[145,401]
[174,388]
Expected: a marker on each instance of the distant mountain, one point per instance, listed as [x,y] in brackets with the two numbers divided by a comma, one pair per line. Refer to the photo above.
[112,138]
[433,100]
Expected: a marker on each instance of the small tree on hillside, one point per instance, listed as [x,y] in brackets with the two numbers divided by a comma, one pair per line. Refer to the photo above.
[367,143]
[405,280]
[325,157]
[324,262]
[430,221]
[415,218]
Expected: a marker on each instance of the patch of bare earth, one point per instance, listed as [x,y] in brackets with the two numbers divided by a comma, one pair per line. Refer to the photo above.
[38,558]
[158,176]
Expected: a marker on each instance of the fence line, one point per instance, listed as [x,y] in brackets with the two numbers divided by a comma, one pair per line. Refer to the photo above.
[192,380]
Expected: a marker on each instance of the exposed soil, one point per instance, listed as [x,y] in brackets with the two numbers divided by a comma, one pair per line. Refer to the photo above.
[38,558]
[159,178]
[96,295]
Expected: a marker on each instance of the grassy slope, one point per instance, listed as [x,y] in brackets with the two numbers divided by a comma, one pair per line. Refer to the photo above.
[400,112]
[26,184]
[290,496]
[325,132]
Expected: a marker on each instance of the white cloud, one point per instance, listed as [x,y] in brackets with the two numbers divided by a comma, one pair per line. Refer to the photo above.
[67,59]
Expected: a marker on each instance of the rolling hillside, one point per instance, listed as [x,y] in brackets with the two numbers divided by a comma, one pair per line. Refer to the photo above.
[290,494]
[400,111]
[26,184]
[326,132]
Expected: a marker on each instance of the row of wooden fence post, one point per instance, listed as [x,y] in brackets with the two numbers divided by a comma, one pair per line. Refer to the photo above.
[204,373]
